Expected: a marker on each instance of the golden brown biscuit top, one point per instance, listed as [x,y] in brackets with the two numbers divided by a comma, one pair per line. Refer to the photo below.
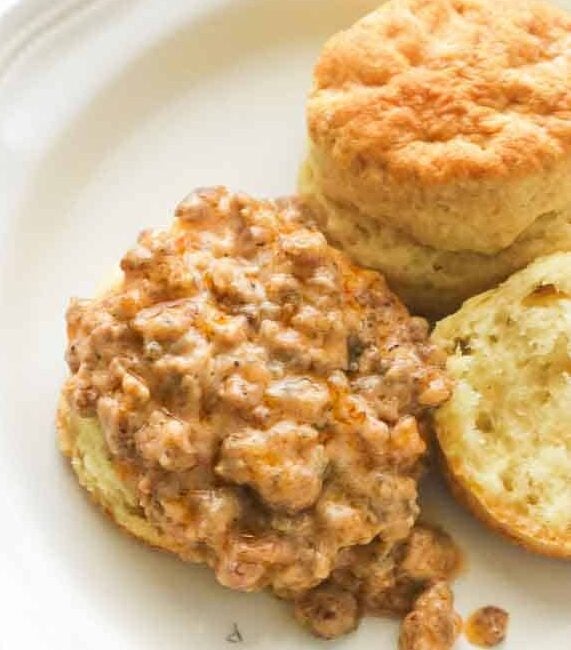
[441,89]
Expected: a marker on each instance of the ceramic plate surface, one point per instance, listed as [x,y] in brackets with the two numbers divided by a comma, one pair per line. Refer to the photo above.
[110,112]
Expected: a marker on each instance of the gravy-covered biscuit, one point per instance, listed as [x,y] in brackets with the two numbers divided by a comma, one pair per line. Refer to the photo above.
[245,397]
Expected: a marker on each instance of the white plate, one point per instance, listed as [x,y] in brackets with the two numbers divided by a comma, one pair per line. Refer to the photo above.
[110,111]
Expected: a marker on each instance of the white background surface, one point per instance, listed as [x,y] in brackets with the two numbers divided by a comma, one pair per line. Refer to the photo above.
[110,112]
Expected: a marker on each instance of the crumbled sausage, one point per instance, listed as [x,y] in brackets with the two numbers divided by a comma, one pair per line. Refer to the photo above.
[306,248]
[429,554]
[433,623]
[240,393]
[248,561]
[487,626]
[328,611]
[301,396]
[390,578]
[166,441]
[285,464]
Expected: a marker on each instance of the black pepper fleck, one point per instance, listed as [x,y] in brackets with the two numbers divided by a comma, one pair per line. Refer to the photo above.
[235,636]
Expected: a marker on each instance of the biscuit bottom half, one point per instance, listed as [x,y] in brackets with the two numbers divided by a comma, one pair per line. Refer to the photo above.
[83,442]
[431,281]
[505,433]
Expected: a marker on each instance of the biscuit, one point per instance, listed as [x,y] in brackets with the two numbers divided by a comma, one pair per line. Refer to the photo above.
[244,396]
[504,434]
[440,137]
[432,281]
[447,119]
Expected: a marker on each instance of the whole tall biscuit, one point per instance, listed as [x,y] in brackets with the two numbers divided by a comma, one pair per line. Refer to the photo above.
[448,120]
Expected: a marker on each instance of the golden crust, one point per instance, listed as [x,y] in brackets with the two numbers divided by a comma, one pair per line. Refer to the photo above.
[540,540]
[449,119]
[441,89]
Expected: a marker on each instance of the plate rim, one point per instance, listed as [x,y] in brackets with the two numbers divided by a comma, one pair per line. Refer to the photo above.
[25,21]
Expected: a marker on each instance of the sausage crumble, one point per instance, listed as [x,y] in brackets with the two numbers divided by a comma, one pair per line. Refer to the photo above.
[487,626]
[433,624]
[266,400]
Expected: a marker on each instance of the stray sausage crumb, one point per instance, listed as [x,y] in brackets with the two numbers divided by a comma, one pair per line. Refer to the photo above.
[328,611]
[487,626]
[433,623]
